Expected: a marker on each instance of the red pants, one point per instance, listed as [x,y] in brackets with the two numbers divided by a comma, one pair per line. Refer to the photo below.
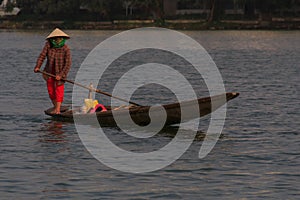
[55,91]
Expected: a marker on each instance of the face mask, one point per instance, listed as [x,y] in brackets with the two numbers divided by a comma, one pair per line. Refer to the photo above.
[57,45]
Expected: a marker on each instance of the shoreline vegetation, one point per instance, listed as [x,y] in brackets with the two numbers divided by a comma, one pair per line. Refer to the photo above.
[272,24]
[128,14]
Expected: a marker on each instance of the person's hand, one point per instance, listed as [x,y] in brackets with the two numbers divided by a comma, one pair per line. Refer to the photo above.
[58,77]
[36,70]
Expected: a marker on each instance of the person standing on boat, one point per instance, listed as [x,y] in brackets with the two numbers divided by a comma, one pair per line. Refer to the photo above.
[58,63]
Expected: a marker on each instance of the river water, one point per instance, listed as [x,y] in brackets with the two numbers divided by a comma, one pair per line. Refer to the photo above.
[256,157]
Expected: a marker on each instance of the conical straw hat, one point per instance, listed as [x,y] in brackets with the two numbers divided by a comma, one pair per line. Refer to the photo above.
[57,33]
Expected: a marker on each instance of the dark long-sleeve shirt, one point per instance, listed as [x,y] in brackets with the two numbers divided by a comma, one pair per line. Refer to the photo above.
[58,60]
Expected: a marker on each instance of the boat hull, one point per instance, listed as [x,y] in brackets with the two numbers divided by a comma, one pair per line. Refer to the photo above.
[140,114]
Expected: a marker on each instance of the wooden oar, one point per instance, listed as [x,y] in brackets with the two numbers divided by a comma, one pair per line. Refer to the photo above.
[89,88]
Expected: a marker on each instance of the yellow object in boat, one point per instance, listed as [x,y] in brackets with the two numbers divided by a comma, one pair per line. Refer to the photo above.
[90,103]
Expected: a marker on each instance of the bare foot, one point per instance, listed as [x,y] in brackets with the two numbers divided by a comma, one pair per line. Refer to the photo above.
[57,107]
[55,112]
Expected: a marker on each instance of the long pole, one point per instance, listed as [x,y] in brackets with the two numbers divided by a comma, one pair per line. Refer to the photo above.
[89,88]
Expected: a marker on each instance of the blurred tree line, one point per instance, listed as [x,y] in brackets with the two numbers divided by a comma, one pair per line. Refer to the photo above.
[88,9]
[95,10]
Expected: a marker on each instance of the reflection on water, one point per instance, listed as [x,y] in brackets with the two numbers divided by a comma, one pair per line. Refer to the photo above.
[53,132]
[55,147]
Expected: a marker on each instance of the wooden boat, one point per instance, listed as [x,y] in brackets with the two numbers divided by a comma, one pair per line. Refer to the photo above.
[140,114]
